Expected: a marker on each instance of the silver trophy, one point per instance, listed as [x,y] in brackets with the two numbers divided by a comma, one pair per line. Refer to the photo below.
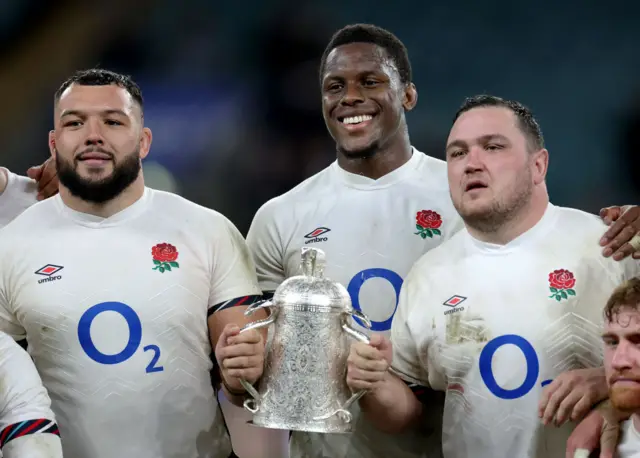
[303,387]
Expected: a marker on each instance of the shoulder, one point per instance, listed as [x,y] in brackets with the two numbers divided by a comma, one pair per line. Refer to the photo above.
[184,212]
[310,191]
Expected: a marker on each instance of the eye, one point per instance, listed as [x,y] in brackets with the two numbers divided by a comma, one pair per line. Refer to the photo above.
[610,342]
[370,82]
[493,147]
[72,124]
[456,153]
[113,122]
[334,87]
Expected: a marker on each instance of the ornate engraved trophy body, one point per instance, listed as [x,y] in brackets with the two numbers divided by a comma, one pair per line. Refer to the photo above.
[303,387]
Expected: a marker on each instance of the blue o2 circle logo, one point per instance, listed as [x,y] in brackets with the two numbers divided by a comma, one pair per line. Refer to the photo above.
[531,360]
[133,342]
[354,291]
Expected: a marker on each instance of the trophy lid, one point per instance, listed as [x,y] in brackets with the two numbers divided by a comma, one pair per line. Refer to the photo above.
[312,288]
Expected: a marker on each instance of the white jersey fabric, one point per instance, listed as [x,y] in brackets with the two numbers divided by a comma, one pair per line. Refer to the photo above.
[491,325]
[629,445]
[115,313]
[19,195]
[28,427]
[372,232]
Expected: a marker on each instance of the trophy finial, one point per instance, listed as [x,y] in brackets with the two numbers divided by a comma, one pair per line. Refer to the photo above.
[313,260]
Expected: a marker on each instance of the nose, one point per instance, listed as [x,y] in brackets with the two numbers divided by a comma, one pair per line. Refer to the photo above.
[94,133]
[352,95]
[622,358]
[473,161]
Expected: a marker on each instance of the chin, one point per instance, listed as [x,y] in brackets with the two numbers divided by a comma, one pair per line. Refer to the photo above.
[355,150]
[625,399]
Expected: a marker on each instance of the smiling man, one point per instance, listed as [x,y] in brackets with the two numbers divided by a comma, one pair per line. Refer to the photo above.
[374,211]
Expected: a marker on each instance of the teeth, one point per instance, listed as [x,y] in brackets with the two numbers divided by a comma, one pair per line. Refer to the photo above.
[357,119]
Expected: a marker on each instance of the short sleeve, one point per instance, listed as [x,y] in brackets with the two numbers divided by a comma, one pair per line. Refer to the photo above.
[233,275]
[266,248]
[19,195]
[9,323]
[23,395]
[406,356]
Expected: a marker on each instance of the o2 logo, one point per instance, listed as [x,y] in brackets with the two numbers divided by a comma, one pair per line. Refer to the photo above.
[135,336]
[354,291]
[530,356]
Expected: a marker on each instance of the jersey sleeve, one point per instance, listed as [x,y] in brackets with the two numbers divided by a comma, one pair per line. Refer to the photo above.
[9,323]
[19,195]
[266,248]
[234,280]
[25,407]
[406,357]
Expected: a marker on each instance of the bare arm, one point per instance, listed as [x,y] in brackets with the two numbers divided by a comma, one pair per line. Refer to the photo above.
[3,180]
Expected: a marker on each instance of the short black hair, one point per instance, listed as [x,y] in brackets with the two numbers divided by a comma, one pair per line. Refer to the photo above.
[369,33]
[526,120]
[101,77]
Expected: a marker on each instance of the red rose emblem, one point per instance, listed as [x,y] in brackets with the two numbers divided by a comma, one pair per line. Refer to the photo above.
[428,223]
[562,279]
[164,257]
[561,283]
[428,219]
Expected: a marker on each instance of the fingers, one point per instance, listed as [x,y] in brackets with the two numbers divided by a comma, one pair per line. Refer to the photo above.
[366,366]
[47,189]
[619,246]
[35,172]
[629,221]
[558,394]
[547,392]
[581,408]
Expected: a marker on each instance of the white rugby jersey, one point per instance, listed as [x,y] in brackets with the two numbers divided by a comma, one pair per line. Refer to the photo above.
[491,325]
[28,427]
[629,445]
[115,314]
[19,195]
[372,232]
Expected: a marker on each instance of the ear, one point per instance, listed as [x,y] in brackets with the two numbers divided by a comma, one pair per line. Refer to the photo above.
[540,164]
[145,142]
[52,143]
[410,97]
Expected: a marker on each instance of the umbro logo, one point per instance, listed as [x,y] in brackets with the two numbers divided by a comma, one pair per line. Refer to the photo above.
[453,302]
[49,271]
[315,235]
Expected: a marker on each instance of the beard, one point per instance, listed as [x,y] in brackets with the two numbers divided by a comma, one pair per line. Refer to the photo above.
[626,400]
[502,209]
[125,172]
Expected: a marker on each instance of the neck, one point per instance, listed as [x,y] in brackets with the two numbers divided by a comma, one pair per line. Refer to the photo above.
[385,160]
[4,179]
[524,219]
[106,209]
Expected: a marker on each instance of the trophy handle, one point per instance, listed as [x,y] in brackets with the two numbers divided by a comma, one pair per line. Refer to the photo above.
[343,411]
[253,403]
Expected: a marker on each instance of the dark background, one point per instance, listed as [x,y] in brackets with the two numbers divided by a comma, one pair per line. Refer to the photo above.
[232,94]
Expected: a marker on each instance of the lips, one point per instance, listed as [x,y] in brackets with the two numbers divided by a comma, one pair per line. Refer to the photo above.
[475,184]
[95,156]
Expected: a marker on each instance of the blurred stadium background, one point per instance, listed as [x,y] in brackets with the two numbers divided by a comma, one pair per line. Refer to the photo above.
[232,92]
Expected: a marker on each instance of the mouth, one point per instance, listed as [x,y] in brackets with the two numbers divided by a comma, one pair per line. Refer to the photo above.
[94,158]
[356,122]
[625,381]
[475,185]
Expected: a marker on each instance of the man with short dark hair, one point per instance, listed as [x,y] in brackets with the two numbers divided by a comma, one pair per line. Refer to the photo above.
[374,212]
[123,291]
[504,317]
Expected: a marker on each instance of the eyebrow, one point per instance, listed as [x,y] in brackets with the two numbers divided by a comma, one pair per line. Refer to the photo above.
[483,139]
[81,114]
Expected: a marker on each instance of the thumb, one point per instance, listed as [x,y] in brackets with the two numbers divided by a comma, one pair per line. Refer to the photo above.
[35,172]
[382,344]
[229,330]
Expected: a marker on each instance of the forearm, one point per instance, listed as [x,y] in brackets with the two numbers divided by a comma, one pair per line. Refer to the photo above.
[392,408]
[3,180]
